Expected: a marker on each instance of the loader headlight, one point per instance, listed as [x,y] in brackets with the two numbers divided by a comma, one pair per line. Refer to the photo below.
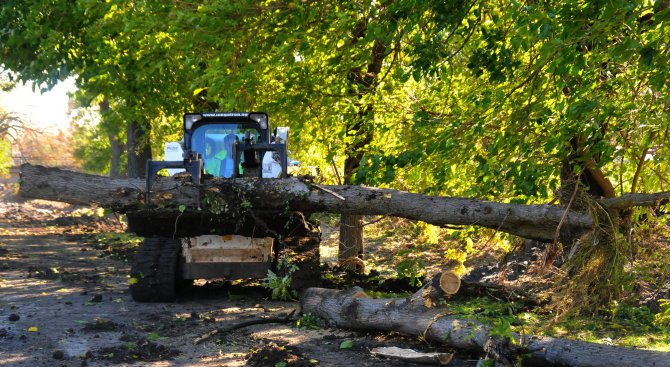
[261,118]
[190,119]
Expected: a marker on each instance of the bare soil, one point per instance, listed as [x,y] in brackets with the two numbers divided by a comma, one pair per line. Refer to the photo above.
[64,301]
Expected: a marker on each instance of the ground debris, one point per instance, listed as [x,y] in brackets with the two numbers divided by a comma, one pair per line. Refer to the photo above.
[99,325]
[141,351]
[275,354]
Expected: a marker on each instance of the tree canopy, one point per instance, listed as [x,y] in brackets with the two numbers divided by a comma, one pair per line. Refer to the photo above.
[487,98]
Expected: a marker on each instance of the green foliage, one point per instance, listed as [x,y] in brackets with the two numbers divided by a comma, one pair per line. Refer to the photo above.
[412,268]
[487,99]
[311,322]
[636,316]
[472,98]
[153,336]
[663,317]
[214,203]
[280,283]
[92,148]
[502,329]
[5,157]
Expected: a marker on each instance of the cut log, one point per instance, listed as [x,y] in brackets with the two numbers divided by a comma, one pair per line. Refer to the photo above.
[449,282]
[220,197]
[439,325]
[437,290]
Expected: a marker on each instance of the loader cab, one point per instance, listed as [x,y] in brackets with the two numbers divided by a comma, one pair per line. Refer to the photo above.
[227,142]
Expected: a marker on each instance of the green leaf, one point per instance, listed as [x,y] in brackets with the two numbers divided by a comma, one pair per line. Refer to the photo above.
[346,344]
[153,336]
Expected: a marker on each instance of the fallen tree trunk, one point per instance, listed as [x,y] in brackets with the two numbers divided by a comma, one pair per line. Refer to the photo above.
[220,197]
[351,309]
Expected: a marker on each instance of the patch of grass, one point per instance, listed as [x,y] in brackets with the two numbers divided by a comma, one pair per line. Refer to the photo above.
[631,330]
[624,325]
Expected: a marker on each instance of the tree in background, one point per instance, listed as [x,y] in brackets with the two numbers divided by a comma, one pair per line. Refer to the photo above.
[11,127]
[109,58]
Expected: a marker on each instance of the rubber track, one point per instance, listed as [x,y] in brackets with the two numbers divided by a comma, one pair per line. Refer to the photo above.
[155,268]
[304,251]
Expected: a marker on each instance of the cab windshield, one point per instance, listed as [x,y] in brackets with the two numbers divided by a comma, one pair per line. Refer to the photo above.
[215,143]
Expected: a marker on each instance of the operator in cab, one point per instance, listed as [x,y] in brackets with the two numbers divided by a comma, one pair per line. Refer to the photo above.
[220,163]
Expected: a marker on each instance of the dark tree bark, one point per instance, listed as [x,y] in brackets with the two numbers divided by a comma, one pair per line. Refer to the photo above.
[352,309]
[116,147]
[139,148]
[351,240]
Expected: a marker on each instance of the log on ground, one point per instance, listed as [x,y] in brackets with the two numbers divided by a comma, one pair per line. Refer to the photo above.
[349,309]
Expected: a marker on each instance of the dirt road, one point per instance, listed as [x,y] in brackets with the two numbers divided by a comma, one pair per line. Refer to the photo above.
[64,302]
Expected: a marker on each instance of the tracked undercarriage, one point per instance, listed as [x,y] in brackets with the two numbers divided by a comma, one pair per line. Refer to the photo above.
[178,250]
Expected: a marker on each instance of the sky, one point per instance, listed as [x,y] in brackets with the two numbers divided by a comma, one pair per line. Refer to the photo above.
[48,112]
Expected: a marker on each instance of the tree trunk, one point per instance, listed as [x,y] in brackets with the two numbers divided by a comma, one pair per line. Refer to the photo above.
[116,149]
[350,249]
[359,134]
[352,309]
[219,197]
[580,176]
[139,149]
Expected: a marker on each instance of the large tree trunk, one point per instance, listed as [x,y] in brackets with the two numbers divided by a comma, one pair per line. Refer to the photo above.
[352,309]
[116,148]
[219,197]
[139,149]
[115,145]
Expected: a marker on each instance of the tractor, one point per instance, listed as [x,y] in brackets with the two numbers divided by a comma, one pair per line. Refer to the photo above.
[181,246]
